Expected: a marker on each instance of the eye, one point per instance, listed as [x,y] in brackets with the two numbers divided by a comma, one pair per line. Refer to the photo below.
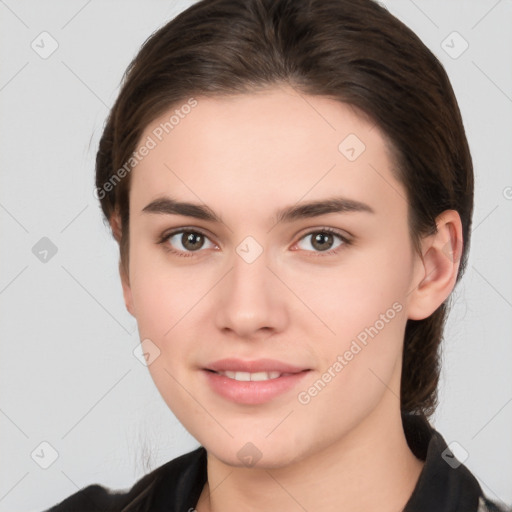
[323,240]
[185,242]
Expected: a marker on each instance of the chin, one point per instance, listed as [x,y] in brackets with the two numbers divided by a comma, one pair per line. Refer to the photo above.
[257,454]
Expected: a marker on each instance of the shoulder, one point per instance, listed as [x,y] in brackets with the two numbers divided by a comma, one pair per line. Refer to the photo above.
[445,484]
[177,481]
[91,499]
[486,505]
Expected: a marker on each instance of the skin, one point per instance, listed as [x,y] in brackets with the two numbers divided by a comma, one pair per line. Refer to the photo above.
[246,157]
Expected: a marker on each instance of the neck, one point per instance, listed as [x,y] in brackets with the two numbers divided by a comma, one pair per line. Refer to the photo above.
[369,468]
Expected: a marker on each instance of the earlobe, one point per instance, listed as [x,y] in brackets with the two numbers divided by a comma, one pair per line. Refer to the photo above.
[115,226]
[437,267]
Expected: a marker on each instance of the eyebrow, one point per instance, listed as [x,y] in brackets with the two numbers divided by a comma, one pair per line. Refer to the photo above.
[170,206]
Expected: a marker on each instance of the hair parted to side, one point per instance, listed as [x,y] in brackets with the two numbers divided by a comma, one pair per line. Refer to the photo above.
[353,51]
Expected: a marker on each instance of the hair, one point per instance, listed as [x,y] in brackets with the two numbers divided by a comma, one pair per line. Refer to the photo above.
[353,51]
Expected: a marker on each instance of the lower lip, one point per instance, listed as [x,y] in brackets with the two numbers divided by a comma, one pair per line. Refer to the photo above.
[252,392]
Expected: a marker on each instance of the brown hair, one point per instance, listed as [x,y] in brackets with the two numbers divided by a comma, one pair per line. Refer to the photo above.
[353,51]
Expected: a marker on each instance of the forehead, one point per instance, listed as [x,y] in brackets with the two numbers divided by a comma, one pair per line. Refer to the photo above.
[276,143]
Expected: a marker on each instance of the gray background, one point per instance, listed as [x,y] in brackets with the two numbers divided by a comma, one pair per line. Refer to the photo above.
[68,374]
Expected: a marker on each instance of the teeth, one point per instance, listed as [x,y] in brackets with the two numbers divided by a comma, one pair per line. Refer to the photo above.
[265,375]
[246,376]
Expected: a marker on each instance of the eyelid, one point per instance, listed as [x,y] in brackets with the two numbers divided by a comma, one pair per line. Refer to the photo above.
[174,231]
[344,235]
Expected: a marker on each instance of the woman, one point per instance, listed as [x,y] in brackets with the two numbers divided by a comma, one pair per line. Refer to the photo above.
[291,189]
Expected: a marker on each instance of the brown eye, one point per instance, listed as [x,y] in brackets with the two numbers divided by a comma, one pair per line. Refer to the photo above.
[187,241]
[192,241]
[321,241]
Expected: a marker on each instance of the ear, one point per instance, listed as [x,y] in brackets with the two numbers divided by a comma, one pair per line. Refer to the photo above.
[115,224]
[437,266]
[127,291]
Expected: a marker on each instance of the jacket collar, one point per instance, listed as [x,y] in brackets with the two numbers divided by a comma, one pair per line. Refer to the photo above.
[444,485]
[441,487]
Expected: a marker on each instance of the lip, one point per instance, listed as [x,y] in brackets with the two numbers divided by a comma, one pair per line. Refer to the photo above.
[252,392]
[258,365]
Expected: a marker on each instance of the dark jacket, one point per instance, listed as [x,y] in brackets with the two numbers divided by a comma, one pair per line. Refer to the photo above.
[444,484]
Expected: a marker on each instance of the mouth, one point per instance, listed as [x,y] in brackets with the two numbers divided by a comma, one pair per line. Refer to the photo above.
[252,382]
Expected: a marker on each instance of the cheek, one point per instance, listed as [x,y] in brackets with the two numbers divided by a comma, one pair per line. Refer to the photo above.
[364,306]
[360,363]
[164,299]
[163,293]
[353,295]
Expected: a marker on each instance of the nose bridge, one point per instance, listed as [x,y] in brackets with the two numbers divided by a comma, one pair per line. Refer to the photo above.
[249,275]
[250,298]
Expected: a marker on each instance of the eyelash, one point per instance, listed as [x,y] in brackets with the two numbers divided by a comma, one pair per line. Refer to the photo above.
[166,236]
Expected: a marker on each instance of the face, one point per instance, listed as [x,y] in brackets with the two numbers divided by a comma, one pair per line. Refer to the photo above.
[273,304]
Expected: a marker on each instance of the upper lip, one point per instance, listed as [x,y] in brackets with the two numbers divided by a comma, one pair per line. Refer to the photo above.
[258,365]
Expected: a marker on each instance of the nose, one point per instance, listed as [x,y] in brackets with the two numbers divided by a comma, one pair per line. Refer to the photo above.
[250,301]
